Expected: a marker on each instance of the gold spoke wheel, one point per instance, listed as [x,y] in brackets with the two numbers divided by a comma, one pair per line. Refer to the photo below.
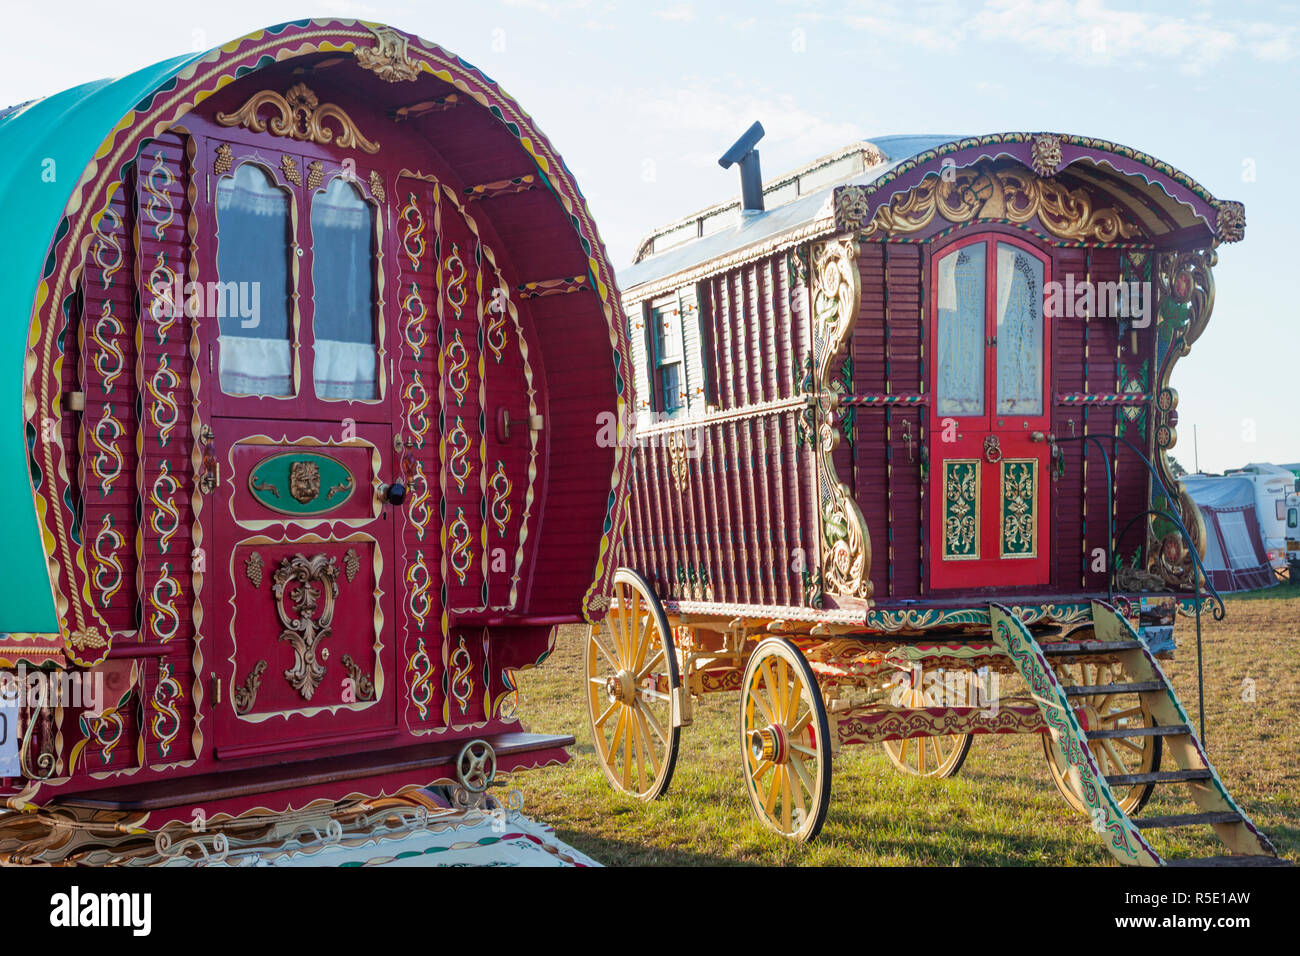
[1116,755]
[631,683]
[785,739]
[928,756]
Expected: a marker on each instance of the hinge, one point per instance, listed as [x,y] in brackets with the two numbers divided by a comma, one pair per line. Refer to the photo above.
[215,686]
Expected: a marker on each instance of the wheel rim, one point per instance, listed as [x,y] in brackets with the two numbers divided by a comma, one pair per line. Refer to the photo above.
[928,756]
[1118,755]
[784,735]
[631,674]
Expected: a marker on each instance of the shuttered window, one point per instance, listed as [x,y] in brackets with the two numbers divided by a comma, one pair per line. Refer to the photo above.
[675,361]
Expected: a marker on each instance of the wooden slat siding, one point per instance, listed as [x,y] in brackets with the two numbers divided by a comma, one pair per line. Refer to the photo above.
[693,345]
[754,332]
[726,339]
[725,587]
[1099,376]
[871,449]
[160,237]
[766,329]
[677,514]
[159,724]
[117,294]
[1071,555]
[906,375]
[782,342]
[738,513]
[421,544]
[701,543]
[773,557]
[640,352]
[779,532]
[760,557]
[654,481]
[455,238]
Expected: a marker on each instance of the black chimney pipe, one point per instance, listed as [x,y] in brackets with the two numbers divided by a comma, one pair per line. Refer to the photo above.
[751,177]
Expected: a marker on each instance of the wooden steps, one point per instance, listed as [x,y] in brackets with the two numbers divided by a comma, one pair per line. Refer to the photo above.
[1159,776]
[1178,730]
[1089,647]
[1093,690]
[1187,820]
[1164,721]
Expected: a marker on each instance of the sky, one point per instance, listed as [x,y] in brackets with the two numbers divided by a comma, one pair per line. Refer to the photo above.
[642,97]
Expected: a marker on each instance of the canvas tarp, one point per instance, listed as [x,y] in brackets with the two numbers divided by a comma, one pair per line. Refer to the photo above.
[1234,553]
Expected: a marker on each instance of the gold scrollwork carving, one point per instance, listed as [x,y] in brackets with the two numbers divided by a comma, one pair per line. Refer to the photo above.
[361,682]
[987,190]
[1185,298]
[388,58]
[317,586]
[246,693]
[677,454]
[836,297]
[299,114]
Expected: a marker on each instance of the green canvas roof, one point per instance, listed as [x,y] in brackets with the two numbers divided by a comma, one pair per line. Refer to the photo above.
[47,143]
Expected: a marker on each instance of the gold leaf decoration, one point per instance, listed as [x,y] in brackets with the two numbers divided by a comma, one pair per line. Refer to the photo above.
[315,174]
[246,693]
[253,568]
[1007,191]
[290,167]
[388,58]
[351,563]
[377,186]
[224,160]
[299,115]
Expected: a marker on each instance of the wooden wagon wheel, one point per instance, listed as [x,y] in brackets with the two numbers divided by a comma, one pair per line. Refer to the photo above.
[785,739]
[940,756]
[632,681]
[1116,755]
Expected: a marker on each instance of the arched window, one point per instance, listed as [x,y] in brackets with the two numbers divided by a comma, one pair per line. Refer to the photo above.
[254,245]
[343,229]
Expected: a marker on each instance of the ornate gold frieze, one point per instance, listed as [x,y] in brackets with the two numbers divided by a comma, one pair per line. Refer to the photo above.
[313,587]
[299,115]
[388,58]
[1006,191]
[836,295]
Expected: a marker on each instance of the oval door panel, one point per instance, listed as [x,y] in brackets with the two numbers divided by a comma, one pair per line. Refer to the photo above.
[301,483]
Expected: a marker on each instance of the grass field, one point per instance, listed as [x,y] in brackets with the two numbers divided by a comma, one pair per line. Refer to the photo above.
[1000,809]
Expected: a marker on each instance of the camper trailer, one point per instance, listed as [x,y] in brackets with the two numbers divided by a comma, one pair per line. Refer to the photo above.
[1272,483]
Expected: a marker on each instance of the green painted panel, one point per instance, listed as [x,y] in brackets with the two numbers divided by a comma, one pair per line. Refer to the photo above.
[1019,517]
[301,483]
[961,497]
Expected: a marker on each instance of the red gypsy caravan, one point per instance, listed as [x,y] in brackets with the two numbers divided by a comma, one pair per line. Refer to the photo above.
[281,517]
[902,477]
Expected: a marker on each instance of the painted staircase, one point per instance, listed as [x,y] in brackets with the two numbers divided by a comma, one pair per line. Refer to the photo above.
[1115,640]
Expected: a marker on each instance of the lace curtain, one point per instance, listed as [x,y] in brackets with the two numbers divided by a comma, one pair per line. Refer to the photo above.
[342,226]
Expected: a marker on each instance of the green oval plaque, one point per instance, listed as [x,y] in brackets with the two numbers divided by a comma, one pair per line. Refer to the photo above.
[301,483]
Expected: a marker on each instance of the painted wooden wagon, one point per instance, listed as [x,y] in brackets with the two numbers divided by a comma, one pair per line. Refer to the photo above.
[283,315]
[901,474]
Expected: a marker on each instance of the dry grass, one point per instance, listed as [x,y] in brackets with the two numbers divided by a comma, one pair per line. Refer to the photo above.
[1001,809]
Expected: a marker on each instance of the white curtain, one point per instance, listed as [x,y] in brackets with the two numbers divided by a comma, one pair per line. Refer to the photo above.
[345,369]
[1020,332]
[960,301]
[252,366]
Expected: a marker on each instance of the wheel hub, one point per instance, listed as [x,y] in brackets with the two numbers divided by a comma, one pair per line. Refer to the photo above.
[621,687]
[769,744]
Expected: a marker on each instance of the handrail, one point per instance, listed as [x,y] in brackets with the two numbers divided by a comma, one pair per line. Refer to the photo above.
[1112,539]
[1198,572]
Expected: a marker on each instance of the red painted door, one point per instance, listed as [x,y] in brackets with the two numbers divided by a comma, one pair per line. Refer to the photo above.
[990,348]
[303,651]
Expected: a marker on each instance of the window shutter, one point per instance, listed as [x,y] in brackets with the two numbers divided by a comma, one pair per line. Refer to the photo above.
[637,334]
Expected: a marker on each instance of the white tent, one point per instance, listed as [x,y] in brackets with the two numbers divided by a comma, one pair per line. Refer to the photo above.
[1235,559]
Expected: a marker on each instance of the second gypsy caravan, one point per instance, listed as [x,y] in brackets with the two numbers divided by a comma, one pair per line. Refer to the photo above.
[903,423]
